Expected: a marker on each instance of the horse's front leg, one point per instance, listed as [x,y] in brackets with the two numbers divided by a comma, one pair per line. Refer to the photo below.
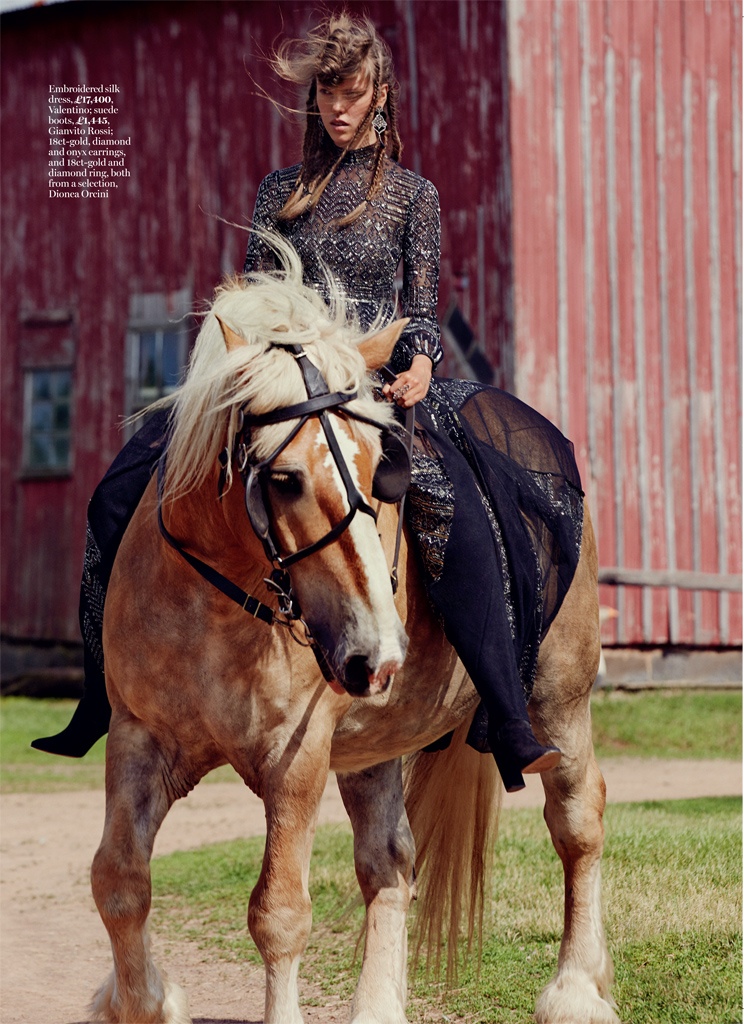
[384,858]
[279,912]
[137,799]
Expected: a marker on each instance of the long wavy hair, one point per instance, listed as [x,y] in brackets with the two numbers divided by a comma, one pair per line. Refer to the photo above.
[340,47]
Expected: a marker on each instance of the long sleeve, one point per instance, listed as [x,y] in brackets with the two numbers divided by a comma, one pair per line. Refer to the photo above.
[421,241]
[269,201]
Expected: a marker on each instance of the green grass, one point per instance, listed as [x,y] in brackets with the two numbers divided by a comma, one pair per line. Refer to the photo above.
[672,893]
[672,890]
[25,770]
[668,724]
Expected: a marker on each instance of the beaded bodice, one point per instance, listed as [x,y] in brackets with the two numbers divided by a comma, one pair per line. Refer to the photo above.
[400,226]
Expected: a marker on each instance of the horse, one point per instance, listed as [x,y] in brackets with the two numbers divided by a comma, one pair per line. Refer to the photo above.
[277,448]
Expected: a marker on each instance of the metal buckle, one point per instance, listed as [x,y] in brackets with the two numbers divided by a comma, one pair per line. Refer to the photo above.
[279,584]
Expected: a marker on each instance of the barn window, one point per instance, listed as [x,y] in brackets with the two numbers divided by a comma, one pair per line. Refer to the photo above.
[158,341]
[47,448]
[158,358]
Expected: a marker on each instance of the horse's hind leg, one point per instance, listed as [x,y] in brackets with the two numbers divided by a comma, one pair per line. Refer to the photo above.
[384,858]
[575,802]
[137,800]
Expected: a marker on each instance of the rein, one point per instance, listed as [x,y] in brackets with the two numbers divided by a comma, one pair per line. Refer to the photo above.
[318,402]
[389,376]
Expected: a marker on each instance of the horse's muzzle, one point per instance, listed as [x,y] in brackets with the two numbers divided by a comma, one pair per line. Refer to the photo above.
[363,651]
[362,680]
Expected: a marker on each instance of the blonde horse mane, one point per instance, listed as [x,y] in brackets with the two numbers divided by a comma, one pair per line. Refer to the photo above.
[270,311]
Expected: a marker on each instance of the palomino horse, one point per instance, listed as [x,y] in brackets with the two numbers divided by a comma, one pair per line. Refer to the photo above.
[195,682]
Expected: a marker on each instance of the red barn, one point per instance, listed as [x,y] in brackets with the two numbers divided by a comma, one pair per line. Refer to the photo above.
[587,156]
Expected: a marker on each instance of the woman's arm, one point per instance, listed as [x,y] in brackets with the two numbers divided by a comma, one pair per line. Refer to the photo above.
[419,350]
[269,202]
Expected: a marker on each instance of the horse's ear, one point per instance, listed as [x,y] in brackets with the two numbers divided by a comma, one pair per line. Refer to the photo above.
[232,340]
[378,348]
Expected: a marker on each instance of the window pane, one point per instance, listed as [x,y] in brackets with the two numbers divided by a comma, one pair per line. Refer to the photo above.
[42,385]
[148,370]
[47,442]
[171,360]
[62,416]
[41,453]
[41,416]
[63,384]
[156,360]
[62,452]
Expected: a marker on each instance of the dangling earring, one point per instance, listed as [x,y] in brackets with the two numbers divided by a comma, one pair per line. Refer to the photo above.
[379,123]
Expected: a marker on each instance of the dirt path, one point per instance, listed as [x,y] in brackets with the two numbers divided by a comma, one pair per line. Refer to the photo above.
[54,950]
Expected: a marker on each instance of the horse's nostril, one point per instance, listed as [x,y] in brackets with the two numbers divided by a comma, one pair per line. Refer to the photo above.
[356,676]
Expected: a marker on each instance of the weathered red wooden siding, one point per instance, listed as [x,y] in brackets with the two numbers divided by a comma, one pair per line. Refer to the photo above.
[626,165]
[202,139]
[587,158]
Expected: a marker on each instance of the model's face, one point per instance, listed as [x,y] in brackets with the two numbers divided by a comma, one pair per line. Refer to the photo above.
[343,107]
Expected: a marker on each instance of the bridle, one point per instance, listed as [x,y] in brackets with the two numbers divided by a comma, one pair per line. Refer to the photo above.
[390,484]
[254,475]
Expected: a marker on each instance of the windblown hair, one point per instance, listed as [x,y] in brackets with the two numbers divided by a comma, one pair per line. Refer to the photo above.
[339,47]
[270,311]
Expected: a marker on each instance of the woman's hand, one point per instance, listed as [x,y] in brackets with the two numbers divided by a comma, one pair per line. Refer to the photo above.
[412,385]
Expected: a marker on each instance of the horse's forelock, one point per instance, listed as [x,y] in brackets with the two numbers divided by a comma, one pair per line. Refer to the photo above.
[270,312]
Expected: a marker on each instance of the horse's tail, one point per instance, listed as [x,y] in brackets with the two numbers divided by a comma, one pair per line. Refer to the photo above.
[453,799]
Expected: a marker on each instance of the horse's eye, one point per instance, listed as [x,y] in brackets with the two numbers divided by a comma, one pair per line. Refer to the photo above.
[288,485]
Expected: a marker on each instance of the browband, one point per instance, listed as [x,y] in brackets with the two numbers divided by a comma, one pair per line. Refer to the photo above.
[306,408]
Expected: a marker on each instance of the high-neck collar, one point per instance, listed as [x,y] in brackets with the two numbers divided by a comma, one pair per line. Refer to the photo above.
[362,155]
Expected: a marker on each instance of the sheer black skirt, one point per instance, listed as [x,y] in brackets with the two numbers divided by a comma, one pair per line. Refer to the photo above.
[496,510]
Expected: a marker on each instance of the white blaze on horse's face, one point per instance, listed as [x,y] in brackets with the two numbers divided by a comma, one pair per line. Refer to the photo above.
[344,589]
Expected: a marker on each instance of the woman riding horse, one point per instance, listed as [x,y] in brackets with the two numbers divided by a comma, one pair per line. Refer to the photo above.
[497,528]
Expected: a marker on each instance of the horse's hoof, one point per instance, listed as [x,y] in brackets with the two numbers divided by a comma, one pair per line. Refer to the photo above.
[175,1005]
[175,1008]
[573,998]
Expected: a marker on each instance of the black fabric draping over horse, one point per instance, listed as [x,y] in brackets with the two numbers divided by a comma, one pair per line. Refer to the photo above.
[495,489]
[109,512]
